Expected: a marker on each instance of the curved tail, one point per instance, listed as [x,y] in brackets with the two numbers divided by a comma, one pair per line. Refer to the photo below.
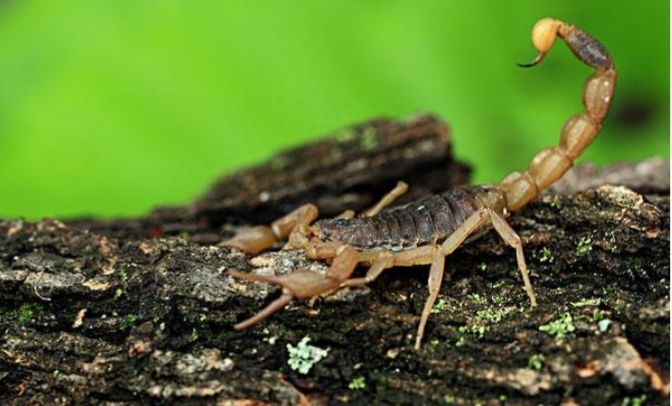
[549,164]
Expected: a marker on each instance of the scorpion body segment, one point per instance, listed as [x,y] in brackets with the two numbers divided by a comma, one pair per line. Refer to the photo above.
[425,221]
[426,231]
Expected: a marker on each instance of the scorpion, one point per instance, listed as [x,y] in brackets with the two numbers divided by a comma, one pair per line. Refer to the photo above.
[426,231]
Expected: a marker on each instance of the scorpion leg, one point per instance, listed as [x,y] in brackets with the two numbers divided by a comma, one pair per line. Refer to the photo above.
[383,259]
[434,286]
[427,254]
[510,237]
[378,265]
[346,215]
[388,199]
[385,201]
[303,283]
[475,222]
[254,240]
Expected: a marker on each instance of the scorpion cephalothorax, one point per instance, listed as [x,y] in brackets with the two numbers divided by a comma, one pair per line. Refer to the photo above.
[425,231]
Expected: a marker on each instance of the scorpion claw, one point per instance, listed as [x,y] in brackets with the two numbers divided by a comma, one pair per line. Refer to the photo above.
[300,284]
[252,240]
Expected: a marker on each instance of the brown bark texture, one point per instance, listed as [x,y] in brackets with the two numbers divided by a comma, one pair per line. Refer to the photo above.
[140,311]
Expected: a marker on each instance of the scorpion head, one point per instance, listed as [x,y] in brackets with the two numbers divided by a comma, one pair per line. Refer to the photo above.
[354,231]
[332,229]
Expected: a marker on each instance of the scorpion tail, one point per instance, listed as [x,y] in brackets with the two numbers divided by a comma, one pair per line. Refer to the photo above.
[549,164]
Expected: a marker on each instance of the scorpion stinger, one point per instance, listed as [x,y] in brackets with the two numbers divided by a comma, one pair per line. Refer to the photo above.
[425,231]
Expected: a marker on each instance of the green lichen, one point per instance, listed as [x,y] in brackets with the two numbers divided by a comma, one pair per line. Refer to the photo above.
[546,256]
[368,139]
[28,311]
[555,202]
[585,246]
[638,401]
[536,361]
[357,383]
[128,322]
[438,307]
[476,298]
[345,135]
[638,264]
[587,302]
[482,322]
[477,330]
[489,316]
[560,327]
[304,356]
[611,237]
[496,285]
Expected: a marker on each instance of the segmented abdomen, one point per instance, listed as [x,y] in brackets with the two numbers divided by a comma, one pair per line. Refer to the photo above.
[432,218]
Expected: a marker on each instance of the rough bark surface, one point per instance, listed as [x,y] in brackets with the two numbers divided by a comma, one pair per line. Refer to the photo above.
[349,169]
[90,318]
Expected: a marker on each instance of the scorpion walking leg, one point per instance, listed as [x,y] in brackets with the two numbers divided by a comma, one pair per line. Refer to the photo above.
[388,199]
[384,261]
[428,254]
[254,240]
[434,286]
[381,263]
[303,283]
[475,222]
[510,237]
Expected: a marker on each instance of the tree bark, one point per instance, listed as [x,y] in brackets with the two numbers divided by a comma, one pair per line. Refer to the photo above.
[91,318]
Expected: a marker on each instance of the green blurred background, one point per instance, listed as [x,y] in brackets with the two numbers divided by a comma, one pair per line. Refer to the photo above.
[114,107]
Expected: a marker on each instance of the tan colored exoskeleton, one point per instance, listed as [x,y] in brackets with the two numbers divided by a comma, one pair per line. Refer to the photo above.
[424,232]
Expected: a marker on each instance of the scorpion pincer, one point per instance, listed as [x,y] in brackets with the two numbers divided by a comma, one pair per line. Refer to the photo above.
[426,231]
